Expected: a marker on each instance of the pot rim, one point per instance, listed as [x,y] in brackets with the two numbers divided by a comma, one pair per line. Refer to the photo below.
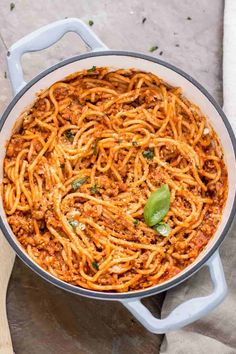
[138,293]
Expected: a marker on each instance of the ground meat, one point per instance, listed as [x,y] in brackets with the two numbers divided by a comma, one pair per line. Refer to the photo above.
[171,272]
[122,187]
[199,241]
[40,105]
[21,223]
[91,210]
[60,93]
[39,209]
[14,146]
[51,219]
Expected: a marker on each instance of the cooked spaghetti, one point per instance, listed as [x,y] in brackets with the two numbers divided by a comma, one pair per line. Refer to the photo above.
[79,172]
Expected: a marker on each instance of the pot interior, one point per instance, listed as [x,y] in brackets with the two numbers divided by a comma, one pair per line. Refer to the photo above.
[192,90]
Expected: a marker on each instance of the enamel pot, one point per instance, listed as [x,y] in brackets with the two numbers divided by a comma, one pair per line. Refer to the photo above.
[99,55]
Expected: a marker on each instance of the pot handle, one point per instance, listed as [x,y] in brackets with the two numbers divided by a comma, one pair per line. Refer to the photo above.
[43,38]
[188,311]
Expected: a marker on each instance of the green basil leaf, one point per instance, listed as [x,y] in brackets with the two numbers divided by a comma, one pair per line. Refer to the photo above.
[163,229]
[76,184]
[95,265]
[74,224]
[157,206]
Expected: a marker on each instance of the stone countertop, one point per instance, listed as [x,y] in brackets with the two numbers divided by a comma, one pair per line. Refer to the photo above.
[44,319]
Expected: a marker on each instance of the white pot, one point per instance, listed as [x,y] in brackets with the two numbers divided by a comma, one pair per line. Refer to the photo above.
[188,311]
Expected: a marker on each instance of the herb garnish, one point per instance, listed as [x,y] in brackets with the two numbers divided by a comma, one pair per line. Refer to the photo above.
[12,6]
[156,208]
[76,184]
[161,52]
[74,224]
[163,229]
[94,189]
[5,74]
[152,49]
[136,222]
[95,147]
[189,18]
[92,69]
[95,265]
[69,135]
[148,154]
[144,19]
[134,143]
[90,23]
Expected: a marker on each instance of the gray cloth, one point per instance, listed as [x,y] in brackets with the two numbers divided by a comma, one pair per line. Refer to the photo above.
[216,332]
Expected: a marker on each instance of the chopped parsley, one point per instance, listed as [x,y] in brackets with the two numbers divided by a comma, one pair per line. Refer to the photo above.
[69,135]
[5,74]
[148,154]
[136,222]
[76,184]
[92,69]
[134,143]
[144,19]
[189,18]
[12,6]
[152,49]
[62,166]
[161,52]
[95,265]
[94,189]
[90,23]
[95,147]
[74,224]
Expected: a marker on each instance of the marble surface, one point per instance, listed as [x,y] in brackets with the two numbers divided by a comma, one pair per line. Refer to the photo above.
[44,319]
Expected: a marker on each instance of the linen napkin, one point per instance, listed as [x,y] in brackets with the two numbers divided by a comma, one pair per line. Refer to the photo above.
[216,332]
